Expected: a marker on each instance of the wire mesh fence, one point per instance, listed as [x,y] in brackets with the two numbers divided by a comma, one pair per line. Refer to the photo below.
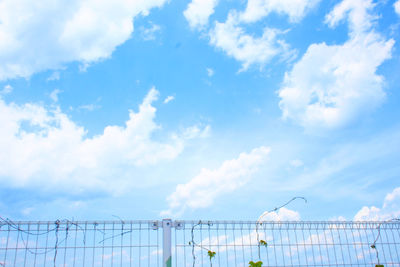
[66,243]
[288,243]
[199,243]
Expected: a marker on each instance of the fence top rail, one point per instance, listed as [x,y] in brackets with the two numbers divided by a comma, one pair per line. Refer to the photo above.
[214,222]
[64,222]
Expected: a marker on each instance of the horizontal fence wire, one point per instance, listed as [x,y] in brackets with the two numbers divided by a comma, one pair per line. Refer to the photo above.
[235,243]
[66,243]
[199,243]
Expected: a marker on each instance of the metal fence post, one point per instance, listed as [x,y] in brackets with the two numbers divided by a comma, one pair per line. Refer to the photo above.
[167,224]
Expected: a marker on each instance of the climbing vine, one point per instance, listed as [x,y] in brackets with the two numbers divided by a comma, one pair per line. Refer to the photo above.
[211,254]
[260,243]
[373,246]
[263,243]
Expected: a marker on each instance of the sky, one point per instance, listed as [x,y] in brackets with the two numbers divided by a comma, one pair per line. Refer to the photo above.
[199,109]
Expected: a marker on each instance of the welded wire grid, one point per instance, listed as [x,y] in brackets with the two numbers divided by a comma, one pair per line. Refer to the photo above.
[287,243]
[66,243]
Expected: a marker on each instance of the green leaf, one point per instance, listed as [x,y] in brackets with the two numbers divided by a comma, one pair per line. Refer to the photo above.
[255,264]
[379,265]
[373,246]
[263,243]
[211,254]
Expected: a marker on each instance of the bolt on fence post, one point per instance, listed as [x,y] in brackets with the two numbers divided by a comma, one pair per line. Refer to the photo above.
[167,224]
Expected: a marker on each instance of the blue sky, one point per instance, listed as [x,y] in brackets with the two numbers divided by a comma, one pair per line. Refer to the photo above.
[199,109]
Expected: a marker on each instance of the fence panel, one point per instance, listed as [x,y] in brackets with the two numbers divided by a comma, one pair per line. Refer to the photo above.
[279,244]
[66,243]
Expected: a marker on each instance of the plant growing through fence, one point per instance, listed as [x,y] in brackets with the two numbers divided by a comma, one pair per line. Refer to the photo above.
[211,254]
[255,264]
[261,242]
[373,246]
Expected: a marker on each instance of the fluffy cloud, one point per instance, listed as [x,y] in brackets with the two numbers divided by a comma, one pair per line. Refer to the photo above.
[198,12]
[333,84]
[283,214]
[202,190]
[249,50]
[36,36]
[257,9]
[389,210]
[44,148]
[232,38]
[397,7]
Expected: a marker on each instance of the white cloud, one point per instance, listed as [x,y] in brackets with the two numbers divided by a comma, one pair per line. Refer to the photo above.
[245,48]
[198,12]
[36,36]
[149,34]
[397,7]
[210,72]
[257,9]
[89,107]
[358,13]
[168,99]
[390,209]
[283,214]
[7,89]
[333,84]
[54,95]
[44,148]
[392,198]
[197,131]
[202,190]
[55,76]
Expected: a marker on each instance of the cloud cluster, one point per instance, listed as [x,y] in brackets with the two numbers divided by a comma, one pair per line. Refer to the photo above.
[231,36]
[333,84]
[41,35]
[44,148]
[389,210]
[202,190]
[249,50]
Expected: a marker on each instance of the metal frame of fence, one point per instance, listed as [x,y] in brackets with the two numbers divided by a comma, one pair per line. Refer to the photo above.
[170,243]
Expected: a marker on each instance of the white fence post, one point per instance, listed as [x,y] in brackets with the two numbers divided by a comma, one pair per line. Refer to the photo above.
[167,225]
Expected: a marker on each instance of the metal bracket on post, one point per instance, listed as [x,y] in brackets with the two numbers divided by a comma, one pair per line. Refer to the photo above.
[179,225]
[167,225]
[155,225]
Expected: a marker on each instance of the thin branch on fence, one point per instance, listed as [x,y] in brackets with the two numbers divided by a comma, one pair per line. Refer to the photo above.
[56,245]
[211,254]
[259,222]
[55,229]
[373,246]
